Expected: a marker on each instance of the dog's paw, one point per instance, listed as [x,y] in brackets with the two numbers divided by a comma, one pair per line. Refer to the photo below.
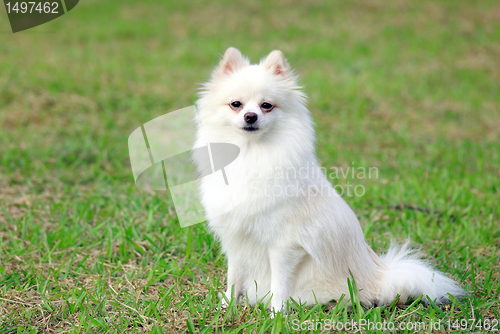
[275,312]
[279,308]
[225,300]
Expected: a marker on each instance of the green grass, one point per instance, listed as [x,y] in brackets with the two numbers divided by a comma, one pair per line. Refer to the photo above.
[411,88]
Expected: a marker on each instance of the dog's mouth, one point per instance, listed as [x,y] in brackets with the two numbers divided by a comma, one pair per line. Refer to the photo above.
[250,128]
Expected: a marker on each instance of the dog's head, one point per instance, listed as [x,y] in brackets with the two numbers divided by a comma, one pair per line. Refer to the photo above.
[251,99]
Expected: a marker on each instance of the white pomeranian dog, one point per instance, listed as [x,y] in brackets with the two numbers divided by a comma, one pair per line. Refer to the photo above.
[288,233]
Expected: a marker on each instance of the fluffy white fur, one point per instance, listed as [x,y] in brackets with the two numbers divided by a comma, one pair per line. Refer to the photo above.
[302,243]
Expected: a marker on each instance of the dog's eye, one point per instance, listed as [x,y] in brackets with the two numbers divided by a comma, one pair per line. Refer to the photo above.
[267,106]
[236,104]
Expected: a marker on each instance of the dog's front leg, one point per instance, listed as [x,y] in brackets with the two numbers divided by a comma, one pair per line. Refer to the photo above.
[234,282]
[284,262]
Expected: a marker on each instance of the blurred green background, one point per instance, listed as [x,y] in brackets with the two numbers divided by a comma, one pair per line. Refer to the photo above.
[412,88]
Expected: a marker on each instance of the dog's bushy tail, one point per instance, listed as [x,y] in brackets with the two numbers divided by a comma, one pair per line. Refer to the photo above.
[409,276]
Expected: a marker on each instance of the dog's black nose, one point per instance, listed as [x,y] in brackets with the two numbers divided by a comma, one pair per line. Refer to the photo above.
[251,117]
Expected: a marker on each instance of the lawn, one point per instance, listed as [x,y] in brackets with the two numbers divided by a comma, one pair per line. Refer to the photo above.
[409,88]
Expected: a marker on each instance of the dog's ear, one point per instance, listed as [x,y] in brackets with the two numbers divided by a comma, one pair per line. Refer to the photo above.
[232,61]
[276,63]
